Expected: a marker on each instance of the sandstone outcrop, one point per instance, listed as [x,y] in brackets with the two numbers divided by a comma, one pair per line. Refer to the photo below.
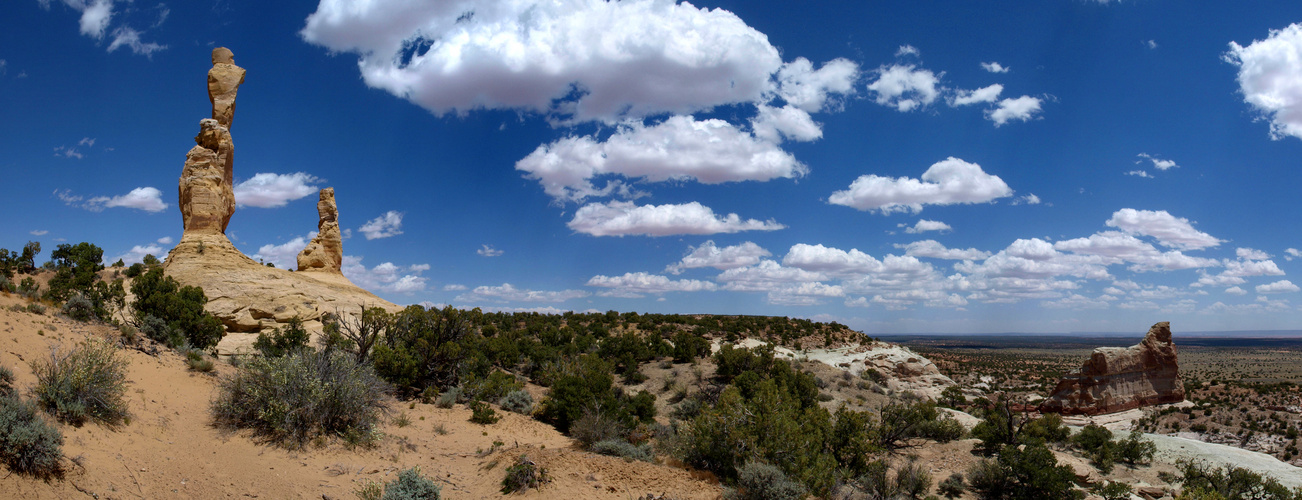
[326,251]
[246,296]
[1121,378]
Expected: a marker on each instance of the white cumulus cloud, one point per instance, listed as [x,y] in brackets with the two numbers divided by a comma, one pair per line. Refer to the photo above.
[1270,78]
[267,190]
[284,255]
[138,253]
[924,225]
[947,182]
[387,225]
[386,277]
[633,285]
[623,218]
[489,251]
[729,257]
[710,151]
[149,199]
[984,94]
[1158,163]
[1019,109]
[994,67]
[1169,230]
[905,87]
[808,89]
[509,293]
[935,250]
[612,59]
[1280,286]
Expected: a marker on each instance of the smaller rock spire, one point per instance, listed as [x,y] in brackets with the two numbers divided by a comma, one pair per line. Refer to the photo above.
[326,251]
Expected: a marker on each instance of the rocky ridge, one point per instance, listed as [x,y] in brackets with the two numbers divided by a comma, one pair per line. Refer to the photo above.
[246,296]
[1121,378]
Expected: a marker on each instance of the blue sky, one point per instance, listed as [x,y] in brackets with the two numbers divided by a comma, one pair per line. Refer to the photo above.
[1036,166]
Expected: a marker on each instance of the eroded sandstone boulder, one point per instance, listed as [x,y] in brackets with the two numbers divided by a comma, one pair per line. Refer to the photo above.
[326,251]
[1121,378]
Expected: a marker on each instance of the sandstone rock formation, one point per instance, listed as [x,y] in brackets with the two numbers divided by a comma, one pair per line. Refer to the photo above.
[1121,378]
[326,251]
[206,196]
[246,296]
[224,81]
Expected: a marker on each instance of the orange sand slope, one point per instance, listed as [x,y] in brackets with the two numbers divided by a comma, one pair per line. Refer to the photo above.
[171,450]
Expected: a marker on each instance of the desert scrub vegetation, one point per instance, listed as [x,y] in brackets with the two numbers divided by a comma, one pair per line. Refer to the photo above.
[28,444]
[293,399]
[522,475]
[173,314]
[761,481]
[75,274]
[765,410]
[282,342]
[1201,481]
[86,382]
[409,485]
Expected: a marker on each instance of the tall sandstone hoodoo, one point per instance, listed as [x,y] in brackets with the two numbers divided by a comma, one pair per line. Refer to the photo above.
[206,196]
[326,251]
[245,295]
[1121,378]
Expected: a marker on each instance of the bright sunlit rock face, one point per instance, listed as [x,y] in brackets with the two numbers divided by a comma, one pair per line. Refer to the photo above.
[1121,378]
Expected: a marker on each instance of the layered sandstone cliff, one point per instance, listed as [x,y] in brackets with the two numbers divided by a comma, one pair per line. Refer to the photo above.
[1121,378]
[246,296]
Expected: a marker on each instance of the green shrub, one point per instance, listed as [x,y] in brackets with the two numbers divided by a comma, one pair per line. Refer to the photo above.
[35,308]
[518,401]
[1114,490]
[75,267]
[688,347]
[624,449]
[195,359]
[493,387]
[1023,472]
[953,486]
[293,399]
[522,475]
[180,308]
[1135,450]
[1046,429]
[422,348]
[410,485]
[912,480]
[761,481]
[79,307]
[1096,442]
[135,270]
[28,444]
[449,398]
[282,342]
[481,413]
[1229,482]
[84,383]
[595,426]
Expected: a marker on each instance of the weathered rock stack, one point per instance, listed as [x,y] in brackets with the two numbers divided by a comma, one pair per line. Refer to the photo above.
[1121,378]
[326,251]
[246,296]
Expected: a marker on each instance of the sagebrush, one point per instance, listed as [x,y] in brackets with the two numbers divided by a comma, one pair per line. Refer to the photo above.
[293,399]
[84,383]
